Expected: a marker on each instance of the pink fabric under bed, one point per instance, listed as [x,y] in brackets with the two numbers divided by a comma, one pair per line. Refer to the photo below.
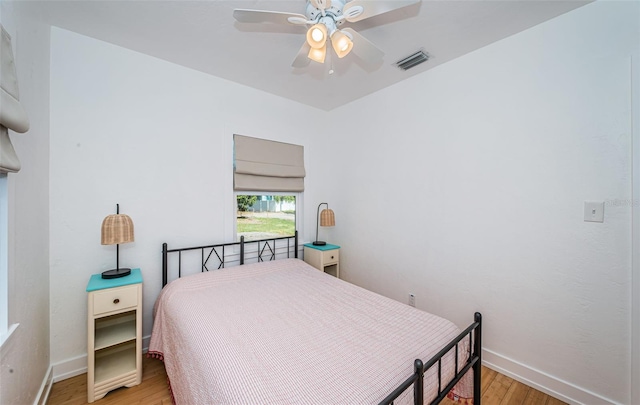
[282,332]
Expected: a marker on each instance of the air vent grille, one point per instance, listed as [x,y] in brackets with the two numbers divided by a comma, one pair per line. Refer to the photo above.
[412,60]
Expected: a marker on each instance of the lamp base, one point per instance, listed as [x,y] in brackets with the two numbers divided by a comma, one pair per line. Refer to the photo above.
[116,273]
[319,243]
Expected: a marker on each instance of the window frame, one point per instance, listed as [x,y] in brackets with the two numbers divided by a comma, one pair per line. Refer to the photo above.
[6,330]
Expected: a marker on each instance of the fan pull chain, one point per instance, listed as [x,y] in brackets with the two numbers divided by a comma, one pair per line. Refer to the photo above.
[330,64]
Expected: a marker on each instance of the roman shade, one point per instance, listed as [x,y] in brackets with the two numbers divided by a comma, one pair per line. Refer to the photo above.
[12,114]
[264,165]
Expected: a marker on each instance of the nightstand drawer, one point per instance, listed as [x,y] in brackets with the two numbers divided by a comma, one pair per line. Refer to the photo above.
[325,258]
[331,256]
[115,299]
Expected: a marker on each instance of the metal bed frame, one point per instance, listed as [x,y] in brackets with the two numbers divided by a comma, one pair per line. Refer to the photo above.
[267,249]
[474,332]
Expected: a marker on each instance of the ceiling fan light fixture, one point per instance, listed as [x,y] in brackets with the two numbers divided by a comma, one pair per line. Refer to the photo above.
[341,43]
[318,54]
[317,36]
[322,18]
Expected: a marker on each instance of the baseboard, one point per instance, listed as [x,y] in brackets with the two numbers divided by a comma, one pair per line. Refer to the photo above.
[45,388]
[541,381]
[69,368]
[78,365]
[145,343]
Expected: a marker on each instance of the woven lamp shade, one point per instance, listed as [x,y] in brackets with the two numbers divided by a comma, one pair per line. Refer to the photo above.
[116,229]
[327,218]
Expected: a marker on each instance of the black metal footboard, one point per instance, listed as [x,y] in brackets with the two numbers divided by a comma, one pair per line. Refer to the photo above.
[218,255]
[474,333]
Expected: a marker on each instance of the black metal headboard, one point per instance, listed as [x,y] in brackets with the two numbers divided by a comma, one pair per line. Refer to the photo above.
[266,249]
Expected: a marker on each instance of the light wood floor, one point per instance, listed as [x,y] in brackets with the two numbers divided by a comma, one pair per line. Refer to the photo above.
[153,390]
[497,389]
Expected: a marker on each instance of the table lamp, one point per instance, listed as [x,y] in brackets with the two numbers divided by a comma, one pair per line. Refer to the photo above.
[116,229]
[324,218]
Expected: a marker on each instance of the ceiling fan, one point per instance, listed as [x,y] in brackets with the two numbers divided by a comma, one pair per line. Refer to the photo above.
[323,17]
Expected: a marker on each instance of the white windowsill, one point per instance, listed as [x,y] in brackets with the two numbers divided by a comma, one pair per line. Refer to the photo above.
[4,338]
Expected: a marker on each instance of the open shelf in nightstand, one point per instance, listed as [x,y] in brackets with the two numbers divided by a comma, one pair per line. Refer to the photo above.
[115,361]
[115,329]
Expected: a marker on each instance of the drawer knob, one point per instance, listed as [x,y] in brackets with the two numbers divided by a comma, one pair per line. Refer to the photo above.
[117,300]
[332,257]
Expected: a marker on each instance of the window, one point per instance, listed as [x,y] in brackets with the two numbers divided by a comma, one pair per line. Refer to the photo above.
[262,216]
[4,233]
[13,117]
[268,181]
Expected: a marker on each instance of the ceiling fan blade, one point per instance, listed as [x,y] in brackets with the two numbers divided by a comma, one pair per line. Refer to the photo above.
[302,59]
[357,10]
[262,16]
[363,48]
[321,4]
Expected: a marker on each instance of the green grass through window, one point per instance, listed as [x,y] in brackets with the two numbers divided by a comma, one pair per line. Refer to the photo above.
[265,226]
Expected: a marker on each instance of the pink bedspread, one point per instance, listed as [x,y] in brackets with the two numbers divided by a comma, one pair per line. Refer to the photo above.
[283,332]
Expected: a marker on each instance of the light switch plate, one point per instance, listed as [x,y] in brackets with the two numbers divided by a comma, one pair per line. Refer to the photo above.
[593,211]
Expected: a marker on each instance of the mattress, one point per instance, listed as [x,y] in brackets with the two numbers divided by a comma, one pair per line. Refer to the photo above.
[282,332]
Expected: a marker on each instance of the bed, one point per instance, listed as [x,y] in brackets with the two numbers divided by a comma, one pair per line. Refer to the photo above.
[282,332]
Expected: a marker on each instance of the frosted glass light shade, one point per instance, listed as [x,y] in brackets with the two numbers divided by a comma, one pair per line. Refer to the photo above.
[318,55]
[317,36]
[341,43]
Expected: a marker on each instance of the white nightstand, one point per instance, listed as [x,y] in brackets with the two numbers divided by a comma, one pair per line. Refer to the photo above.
[325,258]
[114,333]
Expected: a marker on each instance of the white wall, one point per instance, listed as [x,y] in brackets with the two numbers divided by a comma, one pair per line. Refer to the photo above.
[465,185]
[635,322]
[25,357]
[157,139]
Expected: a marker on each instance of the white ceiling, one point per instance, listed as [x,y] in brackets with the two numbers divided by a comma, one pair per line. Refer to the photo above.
[203,35]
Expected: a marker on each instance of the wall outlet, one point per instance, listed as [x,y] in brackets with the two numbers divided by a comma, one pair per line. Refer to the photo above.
[412,300]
